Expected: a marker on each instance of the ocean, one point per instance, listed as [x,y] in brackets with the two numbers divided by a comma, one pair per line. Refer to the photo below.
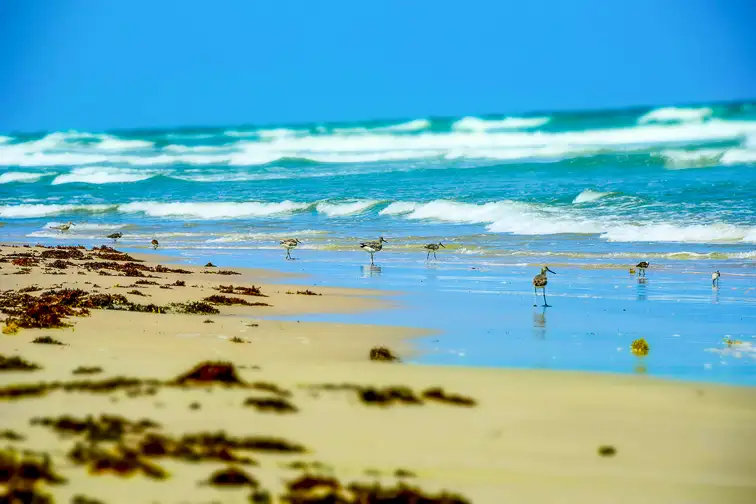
[591,193]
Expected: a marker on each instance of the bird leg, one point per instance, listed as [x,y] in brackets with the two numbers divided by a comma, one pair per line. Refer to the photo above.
[427,258]
[545,304]
[371,259]
[288,253]
[434,255]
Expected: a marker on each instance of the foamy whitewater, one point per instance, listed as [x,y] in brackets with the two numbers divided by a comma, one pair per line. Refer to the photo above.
[669,181]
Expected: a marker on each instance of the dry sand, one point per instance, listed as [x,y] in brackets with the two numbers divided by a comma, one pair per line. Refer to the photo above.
[528,436]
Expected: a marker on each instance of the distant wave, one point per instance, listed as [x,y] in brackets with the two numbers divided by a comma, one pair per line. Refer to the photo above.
[212,210]
[344,209]
[476,124]
[101,175]
[674,114]
[589,195]
[505,216]
[8,177]
[483,143]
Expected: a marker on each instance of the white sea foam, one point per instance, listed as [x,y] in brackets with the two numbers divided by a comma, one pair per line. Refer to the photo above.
[213,210]
[669,232]
[101,175]
[416,125]
[589,195]
[398,208]
[9,177]
[675,114]
[510,123]
[118,144]
[29,211]
[378,146]
[344,209]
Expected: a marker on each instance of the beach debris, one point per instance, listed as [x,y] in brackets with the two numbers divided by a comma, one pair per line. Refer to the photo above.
[730,342]
[271,388]
[84,370]
[11,435]
[306,292]
[382,353]
[222,272]
[210,372]
[271,404]
[404,473]
[120,460]
[219,299]
[237,289]
[10,327]
[179,283]
[607,451]
[21,473]
[210,265]
[196,307]
[208,321]
[136,292]
[146,282]
[438,394]
[16,363]
[47,340]
[639,347]
[232,476]
[83,499]
[237,339]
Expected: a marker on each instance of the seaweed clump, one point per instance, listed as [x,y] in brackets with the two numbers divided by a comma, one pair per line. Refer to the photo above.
[47,340]
[306,292]
[238,289]
[210,372]
[84,370]
[438,394]
[382,353]
[639,347]
[16,363]
[21,474]
[232,476]
[229,301]
[196,307]
[271,404]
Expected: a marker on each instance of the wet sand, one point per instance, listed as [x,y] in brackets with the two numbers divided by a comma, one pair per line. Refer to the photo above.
[487,435]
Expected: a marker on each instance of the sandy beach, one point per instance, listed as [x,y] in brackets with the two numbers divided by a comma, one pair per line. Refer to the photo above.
[303,410]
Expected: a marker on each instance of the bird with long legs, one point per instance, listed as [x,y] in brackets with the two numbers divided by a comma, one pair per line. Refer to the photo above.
[289,244]
[63,227]
[115,236]
[539,282]
[372,247]
[715,278]
[432,248]
[155,244]
[642,267]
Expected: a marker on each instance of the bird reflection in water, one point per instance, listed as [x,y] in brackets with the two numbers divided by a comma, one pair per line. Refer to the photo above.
[370,270]
[539,324]
[641,292]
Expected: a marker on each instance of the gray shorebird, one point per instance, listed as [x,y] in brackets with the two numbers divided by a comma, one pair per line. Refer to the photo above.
[288,244]
[155,244]
[63,227]
[432,248]
[115,236]
[642,267]
[372,247]
[540,281]
[715,278]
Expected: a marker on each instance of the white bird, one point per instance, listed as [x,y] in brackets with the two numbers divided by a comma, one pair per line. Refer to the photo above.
[63,227]
[540,281]
[715,278]
[372,247]
[288,244]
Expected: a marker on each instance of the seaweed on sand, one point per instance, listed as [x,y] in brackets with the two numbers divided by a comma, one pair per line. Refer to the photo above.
[60,253]
[47,340]
[232,476]
[210,372]
[16,363]
[438,394]
[87,370]
[237,289]
[196,307]
[382,353]
[271,404]
[228,301]
[306,292]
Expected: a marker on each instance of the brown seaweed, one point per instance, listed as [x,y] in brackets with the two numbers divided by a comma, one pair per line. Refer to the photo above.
[438,394]
[229,301]
[16,363]
[382,353]
[237,289]
[47,340]
[271,404]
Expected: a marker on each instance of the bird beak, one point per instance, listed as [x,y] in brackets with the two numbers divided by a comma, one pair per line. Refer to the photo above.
[442,245]
[549,269]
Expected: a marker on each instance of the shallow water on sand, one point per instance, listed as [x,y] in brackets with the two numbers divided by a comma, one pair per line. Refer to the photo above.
[486,313]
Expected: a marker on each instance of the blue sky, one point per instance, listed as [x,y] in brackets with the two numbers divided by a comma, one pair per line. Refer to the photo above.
[96,64]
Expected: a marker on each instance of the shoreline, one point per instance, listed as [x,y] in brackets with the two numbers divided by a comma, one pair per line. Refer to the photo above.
[481,433]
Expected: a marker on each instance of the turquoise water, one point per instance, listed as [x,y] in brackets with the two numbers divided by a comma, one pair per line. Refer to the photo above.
[590,193]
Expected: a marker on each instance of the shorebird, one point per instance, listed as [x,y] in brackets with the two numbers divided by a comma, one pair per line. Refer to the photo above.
[715,278]
[540,281]
[432,248]
[372,247]
[642,267]
[288,244]
[154,244]
[115,236]
[63,227]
